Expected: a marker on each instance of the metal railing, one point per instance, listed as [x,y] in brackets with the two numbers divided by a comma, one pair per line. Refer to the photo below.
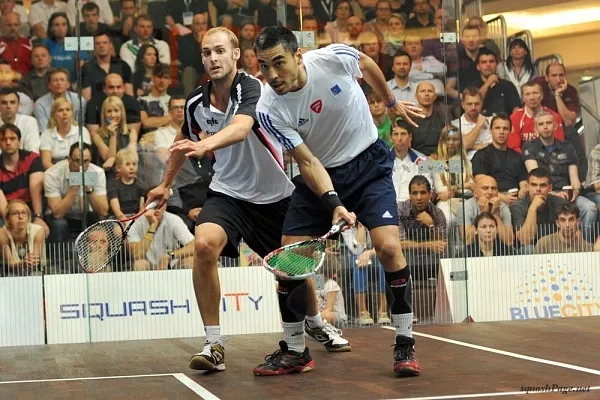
[526,36]
[542,62]
[497,32]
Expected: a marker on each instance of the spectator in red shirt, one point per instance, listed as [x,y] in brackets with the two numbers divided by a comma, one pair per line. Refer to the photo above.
[523,127]
[13,48]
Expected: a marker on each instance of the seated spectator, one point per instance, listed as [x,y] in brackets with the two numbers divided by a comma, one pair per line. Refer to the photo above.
[523,129]
[474,126]
[393,40]
[8,6]
[125,195]
[145,62]
[122,29]
[486,198]
[143,29]
[66,201]
[518,67]
[406,160]
[105,15]
[559,157]
[370,45]
[331,299]
[338,28]
[401,86]
[58,29]
[568,239]
[237,11]
[177,8]
[450,187]
[35,83]
[534,215]
[444,52]
[21,175]
[190,56]
[14,48]
[155,106]
[58,84]
[380,116]
[166,135]
[247,34]
[61,134]
[593,176]
[97,251]
[94,72]
[355,28]
[22,243]
[424,68]
[113,134]
[249,62]
[487,242]
[322,38]
[478,22]
[466,69]
[39,15]
[113,86]
[505,165]
[160,240]
[9,107]
[7,81]
[91,24]
[423,230]
[427,136]
[423,17]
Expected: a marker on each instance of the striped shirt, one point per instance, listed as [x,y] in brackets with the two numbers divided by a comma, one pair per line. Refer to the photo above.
[15,184]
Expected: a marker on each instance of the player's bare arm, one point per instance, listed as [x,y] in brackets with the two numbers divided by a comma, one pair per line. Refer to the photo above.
[375,78]
[318,180]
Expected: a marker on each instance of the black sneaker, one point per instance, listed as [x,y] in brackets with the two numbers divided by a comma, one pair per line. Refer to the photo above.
[211,358]
[284,361]
[329,336]
[405,363]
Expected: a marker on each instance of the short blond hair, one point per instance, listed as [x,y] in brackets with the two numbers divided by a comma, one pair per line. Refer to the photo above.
[232,38]
[125,155]
[55,105]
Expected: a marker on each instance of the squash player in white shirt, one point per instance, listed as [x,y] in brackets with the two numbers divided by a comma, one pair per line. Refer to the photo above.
[249,192]
[315,107]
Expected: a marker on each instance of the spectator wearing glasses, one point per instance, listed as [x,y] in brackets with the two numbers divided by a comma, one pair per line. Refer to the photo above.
[379,25]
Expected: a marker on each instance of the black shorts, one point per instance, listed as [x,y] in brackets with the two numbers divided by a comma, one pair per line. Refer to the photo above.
[259,224]
[364,186]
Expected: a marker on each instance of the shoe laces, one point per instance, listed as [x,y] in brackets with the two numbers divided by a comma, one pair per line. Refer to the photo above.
[275,357]
[208,344]
[331,330]
[403,351]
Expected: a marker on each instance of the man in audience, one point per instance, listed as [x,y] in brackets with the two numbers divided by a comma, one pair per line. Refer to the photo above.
[380,116]
[94,72]
[39,15]
[425,138]
[371,46]
[66,199]
[14,48]
[568,239]
[8,77]
[355,28]
[406,160]
[190,53]
[423,18]
[35,83]
[474,126]
[467,63]
[91,24]
[58,84]
[338,29]
[523,129]
[424,68]
[29,133]
[143,35]
[21,174]
[534,215]
[155,106]
[378,26]
[8,6]
[401,86]
[166,134]
[113,86]
[506,166]
[123,27]
[593,177]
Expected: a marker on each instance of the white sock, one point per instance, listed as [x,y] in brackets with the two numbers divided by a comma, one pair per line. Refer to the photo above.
[213,333]
[403,324]
[293,335]
[316,321]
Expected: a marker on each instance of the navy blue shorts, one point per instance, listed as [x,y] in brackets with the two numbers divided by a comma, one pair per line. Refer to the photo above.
[364,186]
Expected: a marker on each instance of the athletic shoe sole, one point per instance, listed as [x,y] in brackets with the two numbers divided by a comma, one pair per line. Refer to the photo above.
[299,369]
[202,364]
[404,370]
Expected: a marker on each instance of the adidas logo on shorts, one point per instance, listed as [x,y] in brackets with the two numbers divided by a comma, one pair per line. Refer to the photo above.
[387,215]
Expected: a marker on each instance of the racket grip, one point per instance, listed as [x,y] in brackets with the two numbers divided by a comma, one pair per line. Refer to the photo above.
[154,204]
[338,226]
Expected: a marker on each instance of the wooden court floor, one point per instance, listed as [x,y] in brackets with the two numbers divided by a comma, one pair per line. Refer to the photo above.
[475,360]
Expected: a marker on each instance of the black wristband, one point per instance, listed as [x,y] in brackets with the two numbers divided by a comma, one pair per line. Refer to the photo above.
[331,200]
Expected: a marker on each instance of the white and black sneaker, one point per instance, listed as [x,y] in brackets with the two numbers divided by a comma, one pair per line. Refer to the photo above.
[329,336]
[211,358]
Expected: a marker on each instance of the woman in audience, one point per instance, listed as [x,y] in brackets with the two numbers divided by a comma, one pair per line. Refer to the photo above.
[487,243]
[451,187]
[247,35]
[331,299]
[58,29]
[22,242]
[113,134]
[249,62]
[393,40]
[145,61]
[518,68]
[62,132]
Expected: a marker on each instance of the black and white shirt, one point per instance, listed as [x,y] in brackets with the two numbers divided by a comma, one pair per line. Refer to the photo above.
[251,170]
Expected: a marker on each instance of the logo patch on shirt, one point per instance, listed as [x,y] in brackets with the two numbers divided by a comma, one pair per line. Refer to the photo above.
[317,106]
[336,90]
[562,156]
[212,121]
[302,121]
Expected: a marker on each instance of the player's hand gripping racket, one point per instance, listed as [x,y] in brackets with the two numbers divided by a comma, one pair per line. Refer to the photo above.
[300,260]
[100,243]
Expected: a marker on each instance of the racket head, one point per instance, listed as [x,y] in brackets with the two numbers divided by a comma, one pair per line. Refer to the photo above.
[296,261]
[98,245]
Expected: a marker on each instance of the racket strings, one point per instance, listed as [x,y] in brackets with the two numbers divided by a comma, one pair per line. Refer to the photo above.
[99,244]
[299,260]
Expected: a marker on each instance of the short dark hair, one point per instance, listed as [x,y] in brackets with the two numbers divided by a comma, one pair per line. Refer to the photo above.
[161,69]
[502,117]
[531,84]
[10,127]
[272,36]
[75,146]
[484,51]
[540,172]
[102,32]
[175,97]
[419,180]
[37,46]
[568,208]
[402,53]
[484,215]
[90,7]
[405,125]
[5,91]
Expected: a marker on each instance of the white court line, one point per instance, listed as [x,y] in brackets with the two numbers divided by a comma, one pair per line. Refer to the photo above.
[506,353]
[84,378]
[479,395]
[195,387]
